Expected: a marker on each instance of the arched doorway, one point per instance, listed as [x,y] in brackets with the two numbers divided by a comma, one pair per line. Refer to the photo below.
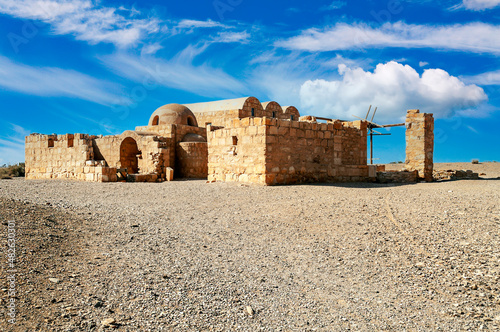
[128,155]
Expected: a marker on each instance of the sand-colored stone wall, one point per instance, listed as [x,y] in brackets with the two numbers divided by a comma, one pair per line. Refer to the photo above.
[353,141]
[420,143]
[175,133]
[299,151]
[191,160]
[93,158]
[216,118]
[57,156]
[273,151]
[153,152]
[236,153]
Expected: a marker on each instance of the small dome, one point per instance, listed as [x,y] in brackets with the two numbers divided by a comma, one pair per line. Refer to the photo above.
[193,138]
[173,114]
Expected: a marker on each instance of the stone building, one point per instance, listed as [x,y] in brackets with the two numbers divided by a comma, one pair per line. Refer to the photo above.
[241,140]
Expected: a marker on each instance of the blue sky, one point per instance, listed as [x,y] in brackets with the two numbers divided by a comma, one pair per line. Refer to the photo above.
[102,67]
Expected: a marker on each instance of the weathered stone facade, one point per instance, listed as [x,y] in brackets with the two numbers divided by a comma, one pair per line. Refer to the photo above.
[273,151]
[237,140]
[420,143]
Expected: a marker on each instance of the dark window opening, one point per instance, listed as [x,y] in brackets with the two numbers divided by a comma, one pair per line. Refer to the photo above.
[156,120]
[253,111]
[235,140]
[274,114]
[129,153]
[191,121]
[51,142]
[291,117]
[70,142]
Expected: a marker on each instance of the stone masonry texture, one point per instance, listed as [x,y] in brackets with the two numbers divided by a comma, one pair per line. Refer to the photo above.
[239,140]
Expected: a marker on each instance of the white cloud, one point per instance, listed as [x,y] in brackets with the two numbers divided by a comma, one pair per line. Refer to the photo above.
[151,48]
[335,5]
[478,5]
[277,77]
[393,88]
[84,19]
[12,147]
[232,37]
[190,24]
[489,78]
[178,73]
[474,130]
[472,37]
[423,63]
[10,153]
[55,82]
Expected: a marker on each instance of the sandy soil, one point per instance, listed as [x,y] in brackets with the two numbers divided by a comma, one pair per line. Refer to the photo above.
[191,256]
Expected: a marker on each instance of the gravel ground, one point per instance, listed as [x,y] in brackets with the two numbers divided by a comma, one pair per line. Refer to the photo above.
[488,170]
[191,256]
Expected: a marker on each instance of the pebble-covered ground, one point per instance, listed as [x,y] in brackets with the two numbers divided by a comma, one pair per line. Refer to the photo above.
[191,256]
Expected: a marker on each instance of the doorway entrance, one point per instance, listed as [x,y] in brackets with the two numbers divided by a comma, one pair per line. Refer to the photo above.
[128,155]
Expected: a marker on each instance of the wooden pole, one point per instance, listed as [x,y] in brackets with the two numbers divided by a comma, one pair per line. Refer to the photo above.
[373,115]
[371,147]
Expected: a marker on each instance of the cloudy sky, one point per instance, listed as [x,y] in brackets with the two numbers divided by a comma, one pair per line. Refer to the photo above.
[102,67]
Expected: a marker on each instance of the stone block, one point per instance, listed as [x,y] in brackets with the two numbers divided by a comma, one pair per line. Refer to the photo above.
[169,174]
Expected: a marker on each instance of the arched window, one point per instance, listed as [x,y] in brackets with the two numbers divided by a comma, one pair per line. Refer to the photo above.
[190,121]
[156,119]
[274,114]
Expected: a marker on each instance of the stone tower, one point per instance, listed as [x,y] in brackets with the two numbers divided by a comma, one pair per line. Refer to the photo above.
[420,143]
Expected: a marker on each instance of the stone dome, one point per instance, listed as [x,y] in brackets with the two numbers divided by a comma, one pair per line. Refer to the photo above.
[173,114]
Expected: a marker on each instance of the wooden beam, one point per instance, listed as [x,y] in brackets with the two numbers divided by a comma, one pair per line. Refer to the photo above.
[393,125]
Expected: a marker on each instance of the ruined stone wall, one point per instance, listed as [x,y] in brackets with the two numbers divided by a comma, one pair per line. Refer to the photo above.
[237,152]
[273,151]
[91,158]
[191,160]
[95,171]
[175,133]
[420,143]
[353,141]
[57,156]
[315,152]
[154,152]
[181,131]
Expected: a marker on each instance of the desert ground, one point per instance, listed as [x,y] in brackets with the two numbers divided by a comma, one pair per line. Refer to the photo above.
[192,256]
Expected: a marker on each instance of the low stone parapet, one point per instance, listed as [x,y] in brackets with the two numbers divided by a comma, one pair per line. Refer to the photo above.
[455,175]
[397,177]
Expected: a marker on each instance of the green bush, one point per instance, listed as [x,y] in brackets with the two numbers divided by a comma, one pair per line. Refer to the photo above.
[9,171]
